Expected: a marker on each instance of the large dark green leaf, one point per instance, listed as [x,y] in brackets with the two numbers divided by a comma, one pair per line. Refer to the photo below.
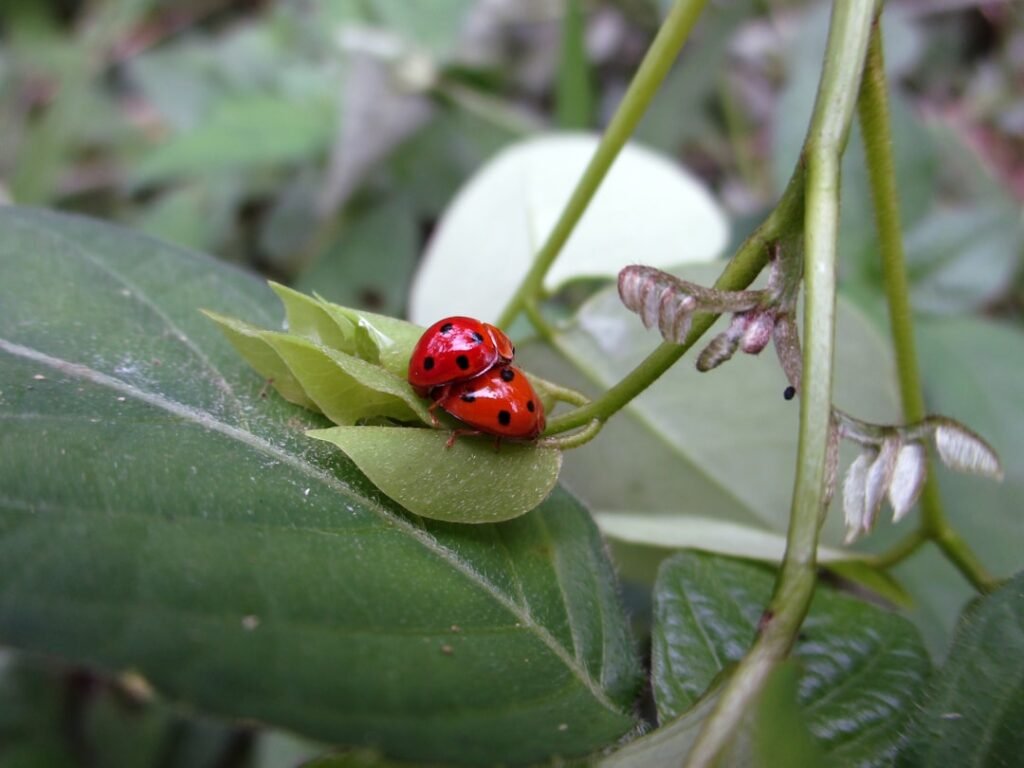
[157,514]
[973,710]
[861,668]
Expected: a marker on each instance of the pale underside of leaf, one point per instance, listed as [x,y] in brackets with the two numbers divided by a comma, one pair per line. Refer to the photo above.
[470,482]
[694,532]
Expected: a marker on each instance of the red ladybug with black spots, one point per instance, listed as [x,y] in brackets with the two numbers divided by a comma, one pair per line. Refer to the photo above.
[499,402]
[455,349]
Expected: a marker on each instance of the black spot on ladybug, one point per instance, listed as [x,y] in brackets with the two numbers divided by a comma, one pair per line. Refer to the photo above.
[462,361]
[446,327]
[530,406]
[428,363]
[478,338]
[504,418]
[467,397]
[507,374]
[790,393]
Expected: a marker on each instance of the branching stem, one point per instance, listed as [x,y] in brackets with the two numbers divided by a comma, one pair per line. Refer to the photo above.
[656,64]
[849,32]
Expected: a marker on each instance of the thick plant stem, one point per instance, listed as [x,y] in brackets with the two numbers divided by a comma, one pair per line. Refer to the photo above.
[741,271]
[873,110]
[656,64]
[849,32]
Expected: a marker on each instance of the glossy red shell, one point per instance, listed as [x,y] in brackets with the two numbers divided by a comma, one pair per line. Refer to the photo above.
[454,349]
[499,402]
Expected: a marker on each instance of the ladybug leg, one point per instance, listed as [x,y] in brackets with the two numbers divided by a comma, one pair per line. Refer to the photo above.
[433,416]
[263,390]
[456,433]
[438,394]
[497,443]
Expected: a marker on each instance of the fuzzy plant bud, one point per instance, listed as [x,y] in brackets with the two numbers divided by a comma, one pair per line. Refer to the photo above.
[760,325]
[660,299]
[879,478]
[787,346]
[854,499]
[961,449]
[907,480]
[724,345]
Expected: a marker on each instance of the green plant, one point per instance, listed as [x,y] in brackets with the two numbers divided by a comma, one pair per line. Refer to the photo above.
[165,518]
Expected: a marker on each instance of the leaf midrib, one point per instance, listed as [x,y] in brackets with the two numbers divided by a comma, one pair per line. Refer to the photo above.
[207,421]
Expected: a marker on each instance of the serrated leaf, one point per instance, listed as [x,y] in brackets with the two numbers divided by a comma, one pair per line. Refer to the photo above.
[471,482]
[157,515]
[346,389]
[971,712]
[488,236]
[861,667]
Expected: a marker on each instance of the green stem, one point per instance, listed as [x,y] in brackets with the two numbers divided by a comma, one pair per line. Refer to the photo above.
[849,32]
[874,119]
[741,271]
[576,439]
[901,550]
[656,64]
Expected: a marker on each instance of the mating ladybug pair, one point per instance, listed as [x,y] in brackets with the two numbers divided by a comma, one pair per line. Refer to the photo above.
[463,365]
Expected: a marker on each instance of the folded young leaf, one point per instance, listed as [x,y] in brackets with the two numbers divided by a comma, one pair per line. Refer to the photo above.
[309,317]
[248,341]
[380,338]
[345,388]
[471,482]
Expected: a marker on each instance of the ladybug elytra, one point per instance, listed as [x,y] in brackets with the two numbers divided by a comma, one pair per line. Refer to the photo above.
[499,402]
[455,349]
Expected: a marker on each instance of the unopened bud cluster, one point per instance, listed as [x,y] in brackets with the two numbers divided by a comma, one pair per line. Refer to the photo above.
[670,303]
[892,464]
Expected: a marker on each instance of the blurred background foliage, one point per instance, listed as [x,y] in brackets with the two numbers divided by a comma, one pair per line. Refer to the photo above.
[318,141]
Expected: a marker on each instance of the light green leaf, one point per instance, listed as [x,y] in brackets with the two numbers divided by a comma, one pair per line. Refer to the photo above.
[471,482]
[251,344]
[648,208]
[157,515]
[388,340]
[346,389]
[861,667]
[307,317]
[695,532]
[972,711]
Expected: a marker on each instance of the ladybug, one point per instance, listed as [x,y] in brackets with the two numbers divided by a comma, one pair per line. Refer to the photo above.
[499,402]
[455,349]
